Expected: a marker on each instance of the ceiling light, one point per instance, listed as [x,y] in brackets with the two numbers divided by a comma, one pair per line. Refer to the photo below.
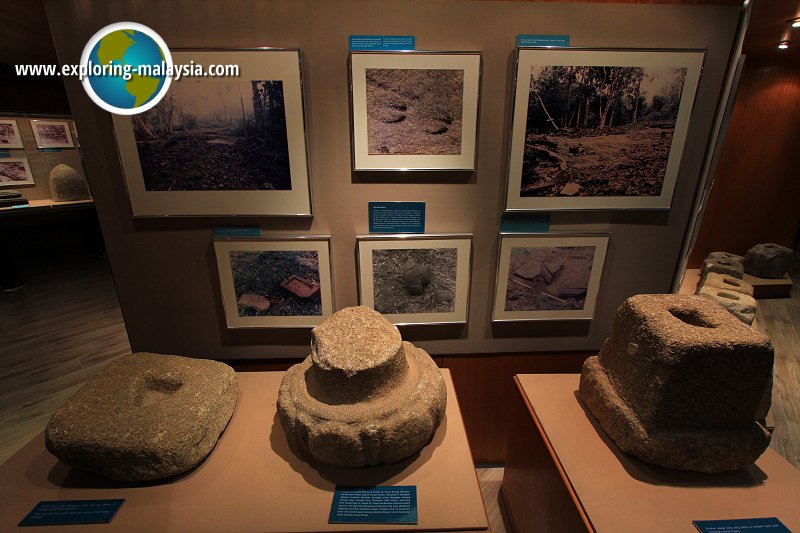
[795,22]
[783,45]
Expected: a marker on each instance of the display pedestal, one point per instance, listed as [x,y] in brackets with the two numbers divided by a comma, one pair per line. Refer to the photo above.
[564,474]
[252,481]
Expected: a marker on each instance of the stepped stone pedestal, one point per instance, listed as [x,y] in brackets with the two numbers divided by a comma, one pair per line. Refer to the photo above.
[363,397]
[679,384]
[145,416]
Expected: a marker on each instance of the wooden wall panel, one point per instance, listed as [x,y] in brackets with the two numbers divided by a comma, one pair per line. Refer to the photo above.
[485,388]
[756,187]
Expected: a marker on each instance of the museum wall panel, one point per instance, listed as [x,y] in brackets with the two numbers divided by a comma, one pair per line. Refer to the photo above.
[165,269]
[754,198]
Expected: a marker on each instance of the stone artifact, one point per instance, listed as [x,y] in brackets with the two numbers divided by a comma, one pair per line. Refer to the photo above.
[256,302]
[723,263]
[768,260]
[364,396]
[739,305]
[725,282]
[66,185]
[145,416]
[416,277]
[679,382]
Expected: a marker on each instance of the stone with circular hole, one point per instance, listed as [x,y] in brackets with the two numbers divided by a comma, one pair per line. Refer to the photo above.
[679,383]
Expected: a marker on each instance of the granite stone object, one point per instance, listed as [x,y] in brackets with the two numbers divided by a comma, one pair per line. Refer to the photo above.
[145,416]
[739,305]
[364,396]
[768,260]
[725,282]
[722,263]
[67,185]
[679,383]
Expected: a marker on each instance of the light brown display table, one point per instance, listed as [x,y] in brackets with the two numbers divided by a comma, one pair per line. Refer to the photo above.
[564,474]
[253,482]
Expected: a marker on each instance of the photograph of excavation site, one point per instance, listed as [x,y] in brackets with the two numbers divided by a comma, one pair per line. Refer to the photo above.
[414,111]
[599,130]
[215,134]
[549,278]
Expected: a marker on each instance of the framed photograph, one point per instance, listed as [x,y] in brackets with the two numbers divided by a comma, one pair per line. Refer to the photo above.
[216,146]
[548,276]
[52,134]
[414,110]
[9,134]
[419,279]
[275,282]
[599,128]
[14,172]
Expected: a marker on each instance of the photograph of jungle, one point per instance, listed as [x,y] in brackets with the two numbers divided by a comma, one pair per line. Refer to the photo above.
[215,134]
[599,130]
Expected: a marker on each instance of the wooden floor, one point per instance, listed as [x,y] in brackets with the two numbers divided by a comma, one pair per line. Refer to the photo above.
[66,325]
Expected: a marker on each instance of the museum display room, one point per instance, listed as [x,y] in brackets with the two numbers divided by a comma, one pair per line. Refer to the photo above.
[388,242]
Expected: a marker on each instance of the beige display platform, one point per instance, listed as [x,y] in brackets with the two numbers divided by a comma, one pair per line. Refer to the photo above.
[39,206]
[253,482]
[564,474]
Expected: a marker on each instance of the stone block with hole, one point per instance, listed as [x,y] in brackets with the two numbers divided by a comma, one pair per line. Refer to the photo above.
[739,305]
[145,416]
[725,282]
[679,382]
[722,263]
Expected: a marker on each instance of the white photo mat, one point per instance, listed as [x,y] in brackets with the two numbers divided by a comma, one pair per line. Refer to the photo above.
[461,243]
[511,241]
[527,58]
[319,244]
[255,64]
[468,62]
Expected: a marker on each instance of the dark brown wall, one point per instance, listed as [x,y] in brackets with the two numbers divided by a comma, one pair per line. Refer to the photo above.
[756,190]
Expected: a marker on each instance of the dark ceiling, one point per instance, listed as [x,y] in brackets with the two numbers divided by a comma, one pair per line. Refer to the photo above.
[768,26]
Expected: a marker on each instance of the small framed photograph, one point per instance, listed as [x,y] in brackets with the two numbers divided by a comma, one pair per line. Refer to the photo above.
[420,279]
[414,110]
[226,145]
[599,128]
[15,172]
[275,282]
[548,276]
[52,134]
[9,134]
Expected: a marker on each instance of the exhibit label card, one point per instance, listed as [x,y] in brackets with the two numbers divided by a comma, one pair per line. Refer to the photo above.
[4,152]
[362,43]
[240,231]
[514,223]
[744,525]
[66,512]
[397,217]
[374,505]
[542,40]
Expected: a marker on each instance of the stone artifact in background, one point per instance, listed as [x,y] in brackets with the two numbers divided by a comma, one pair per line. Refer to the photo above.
[679,384]
[738,304]
[725,282]
[66,185]
[364,396]
[145,416]
[722,263]
[768,260]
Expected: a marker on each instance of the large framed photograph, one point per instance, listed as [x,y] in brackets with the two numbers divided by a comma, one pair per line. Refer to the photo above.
[599,128]
[228,145]
[15,172]
[548,276]
[420,279]
[414,110]
[9,134]
[52,134]
[276,282]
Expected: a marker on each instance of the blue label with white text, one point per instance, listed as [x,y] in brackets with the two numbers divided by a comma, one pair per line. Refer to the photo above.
[397,43]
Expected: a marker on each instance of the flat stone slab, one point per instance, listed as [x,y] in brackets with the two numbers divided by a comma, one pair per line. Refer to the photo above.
[768,260]
[145,416]
[722,263]
[738,304]
[679,384]
[725,282]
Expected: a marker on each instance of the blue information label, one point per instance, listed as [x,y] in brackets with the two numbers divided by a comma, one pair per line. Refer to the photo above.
[72,512]
[240,231]
[397,217]
[542,40]
[745,525]
[49,149]
[528,223]
[5,152]
[374,505]
[382,42]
